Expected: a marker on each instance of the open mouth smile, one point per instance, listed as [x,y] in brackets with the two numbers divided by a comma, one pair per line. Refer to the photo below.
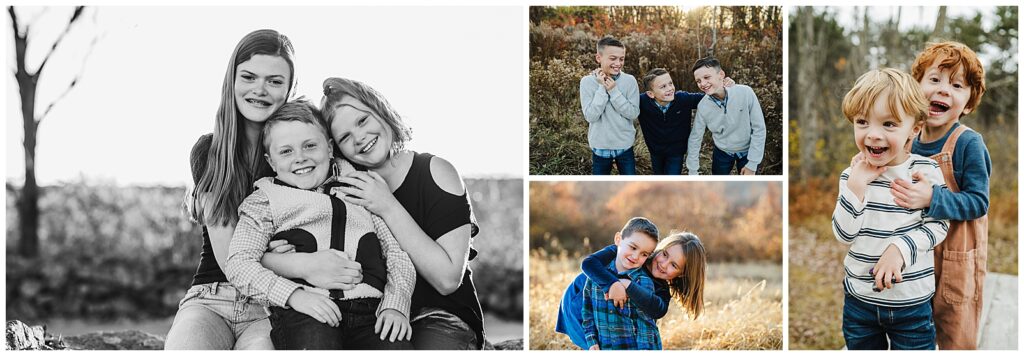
[938,108]
[302,171]
[369,146]
[876,151]
[258,102]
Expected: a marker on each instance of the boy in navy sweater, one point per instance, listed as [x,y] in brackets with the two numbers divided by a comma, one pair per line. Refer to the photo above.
[665,116]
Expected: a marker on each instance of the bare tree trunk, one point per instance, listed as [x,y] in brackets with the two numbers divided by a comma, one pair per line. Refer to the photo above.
[807,81]
[28,199]
[940,25]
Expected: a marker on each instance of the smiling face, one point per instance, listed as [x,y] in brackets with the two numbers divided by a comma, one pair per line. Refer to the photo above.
[633,250]
[360,134]
[882,138]
[662,90]
[711,81]
[299,154]
[668,264]
[612,59]
[947,94]
[261,86]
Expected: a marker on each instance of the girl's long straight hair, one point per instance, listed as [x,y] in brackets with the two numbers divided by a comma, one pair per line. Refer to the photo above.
[229,172]
[688,288]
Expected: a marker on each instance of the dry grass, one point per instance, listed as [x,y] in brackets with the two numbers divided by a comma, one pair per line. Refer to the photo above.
[743,307]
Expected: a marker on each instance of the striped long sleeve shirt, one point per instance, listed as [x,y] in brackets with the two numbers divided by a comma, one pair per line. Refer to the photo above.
[871,225]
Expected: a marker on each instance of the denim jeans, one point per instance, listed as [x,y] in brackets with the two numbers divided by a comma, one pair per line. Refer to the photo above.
[723,162]
[667,164]
[437,329]
[625,161]
[871,327]
[215,316]
[293,330]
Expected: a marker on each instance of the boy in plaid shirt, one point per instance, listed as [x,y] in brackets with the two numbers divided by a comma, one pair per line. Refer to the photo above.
[607,327]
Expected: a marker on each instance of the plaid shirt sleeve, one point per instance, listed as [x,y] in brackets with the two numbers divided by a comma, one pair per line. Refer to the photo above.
[248,244]
[647,336]
[401,273]
[589,327]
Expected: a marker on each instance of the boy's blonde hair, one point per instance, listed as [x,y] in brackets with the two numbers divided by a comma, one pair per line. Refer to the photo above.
[956,56]
[904,94]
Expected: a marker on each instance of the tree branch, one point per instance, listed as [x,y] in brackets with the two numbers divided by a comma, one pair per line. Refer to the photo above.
[74,17]
[74,82]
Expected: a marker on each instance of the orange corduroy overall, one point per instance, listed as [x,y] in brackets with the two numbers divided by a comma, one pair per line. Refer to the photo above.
[959,268]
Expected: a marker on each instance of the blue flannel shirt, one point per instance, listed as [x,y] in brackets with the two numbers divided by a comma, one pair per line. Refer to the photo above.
[612,328]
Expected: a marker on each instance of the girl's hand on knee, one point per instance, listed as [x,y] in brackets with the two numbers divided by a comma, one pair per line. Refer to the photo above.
[394,323]
[317,306]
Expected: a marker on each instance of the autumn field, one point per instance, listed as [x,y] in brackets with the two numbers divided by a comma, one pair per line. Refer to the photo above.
[742,307]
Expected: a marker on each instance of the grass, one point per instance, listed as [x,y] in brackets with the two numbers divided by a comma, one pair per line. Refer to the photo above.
[742,307]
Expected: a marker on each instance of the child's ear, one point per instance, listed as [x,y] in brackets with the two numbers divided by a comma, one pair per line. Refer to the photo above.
[618,238]
[597,58]
[650,94]
[269,162]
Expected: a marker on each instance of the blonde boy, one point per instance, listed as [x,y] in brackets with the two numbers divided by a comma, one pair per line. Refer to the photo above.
[889,280]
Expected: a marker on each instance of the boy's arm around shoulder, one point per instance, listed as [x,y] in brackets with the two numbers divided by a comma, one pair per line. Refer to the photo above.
[593,98]
[401,279]
[645,295]
[595,267]
[248,244]
[972,201]
[848,216]
[931,232]
[758,132]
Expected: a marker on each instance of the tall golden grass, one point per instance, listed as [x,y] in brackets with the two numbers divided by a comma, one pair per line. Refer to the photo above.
[742,306]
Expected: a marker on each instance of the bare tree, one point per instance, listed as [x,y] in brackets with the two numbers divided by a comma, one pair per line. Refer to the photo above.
[28,81]
[940,25]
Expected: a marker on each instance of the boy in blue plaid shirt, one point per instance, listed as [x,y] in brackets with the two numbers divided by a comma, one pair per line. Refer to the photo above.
[608,327]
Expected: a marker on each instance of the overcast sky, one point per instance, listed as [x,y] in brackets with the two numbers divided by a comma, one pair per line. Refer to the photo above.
[151,86]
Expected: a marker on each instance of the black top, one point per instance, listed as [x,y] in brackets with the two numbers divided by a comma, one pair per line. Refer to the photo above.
[437,212]
[208,271]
